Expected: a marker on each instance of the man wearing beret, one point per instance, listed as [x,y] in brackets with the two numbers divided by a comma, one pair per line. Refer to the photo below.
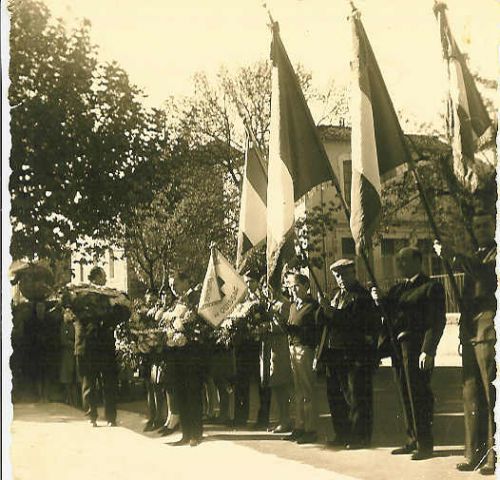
[416,310]
[351,326]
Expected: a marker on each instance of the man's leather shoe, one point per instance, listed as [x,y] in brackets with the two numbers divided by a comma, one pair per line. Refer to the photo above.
[308,437]
[179,443]
[422,455]
[487,470]
[405,450]
[260,427]
[357,445]
[296,434]
[337,443]
[149,427]
[466,467]
[282,429]
[164,431]
[194,442]
[93,423]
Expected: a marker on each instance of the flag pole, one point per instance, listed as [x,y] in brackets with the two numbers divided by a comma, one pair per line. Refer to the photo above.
[433,225]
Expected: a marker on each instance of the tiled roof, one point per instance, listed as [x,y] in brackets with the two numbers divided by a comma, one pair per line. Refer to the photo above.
[426,143]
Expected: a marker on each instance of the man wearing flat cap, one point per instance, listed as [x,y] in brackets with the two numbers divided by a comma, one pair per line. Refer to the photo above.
[351,324]
[416,310]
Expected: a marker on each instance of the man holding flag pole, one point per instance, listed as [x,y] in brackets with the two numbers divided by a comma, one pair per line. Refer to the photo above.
[468,125]
[378,148]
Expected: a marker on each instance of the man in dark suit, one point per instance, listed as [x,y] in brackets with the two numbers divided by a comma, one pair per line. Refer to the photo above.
[352,326]
[188,362]
[416,310]
[477,336]
[95,323]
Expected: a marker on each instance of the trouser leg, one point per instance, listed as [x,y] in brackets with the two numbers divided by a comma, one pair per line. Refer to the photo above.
[109,369]
[150,399]
[336,381]
[242,386]
[222,385]
[420,405]
[298,396]
[360,402]
[282,395]
[88,372]
[402,375]
[474,402]
[264,406]
[194,398]
[305,377]
[182,397]
[485,356]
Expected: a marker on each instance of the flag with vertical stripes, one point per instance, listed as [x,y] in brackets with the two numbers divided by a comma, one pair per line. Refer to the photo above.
[297,158]
[377,141]
[468,120]
[252,226]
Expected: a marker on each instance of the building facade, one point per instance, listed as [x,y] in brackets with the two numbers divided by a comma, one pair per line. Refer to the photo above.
[113,262]
[410,229]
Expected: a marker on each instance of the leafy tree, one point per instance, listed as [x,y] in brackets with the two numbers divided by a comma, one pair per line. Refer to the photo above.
[83,145]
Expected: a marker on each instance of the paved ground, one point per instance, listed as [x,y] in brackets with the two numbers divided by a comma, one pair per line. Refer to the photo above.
[53,441]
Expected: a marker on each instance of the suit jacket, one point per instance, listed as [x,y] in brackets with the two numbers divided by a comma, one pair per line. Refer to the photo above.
[352,321]
[301,325]
[418,307]
[480,286]
[95,324]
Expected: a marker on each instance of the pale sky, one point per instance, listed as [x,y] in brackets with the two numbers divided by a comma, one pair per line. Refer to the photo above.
[162,43]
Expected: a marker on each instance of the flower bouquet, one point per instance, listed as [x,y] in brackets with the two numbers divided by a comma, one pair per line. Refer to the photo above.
[245,323]
[182,325]
[91,303]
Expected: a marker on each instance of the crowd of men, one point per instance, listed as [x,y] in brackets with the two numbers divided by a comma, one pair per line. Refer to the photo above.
[296,333]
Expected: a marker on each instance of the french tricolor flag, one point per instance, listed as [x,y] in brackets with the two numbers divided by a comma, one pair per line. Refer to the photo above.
[377,141]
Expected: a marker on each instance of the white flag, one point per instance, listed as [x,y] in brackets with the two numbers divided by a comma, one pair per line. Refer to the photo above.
[223,288]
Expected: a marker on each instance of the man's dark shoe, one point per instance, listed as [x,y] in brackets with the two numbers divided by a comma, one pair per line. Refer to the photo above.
[296,434]
[260,427]
[282,429]
[149,427]
[222,420]
[239,423]
[194,442]
[405,450]
[422,455]
[357,445]
[487,470]
[93,423]
[337,443]
[308,437]
[179,443]
[466,467]
[164,431]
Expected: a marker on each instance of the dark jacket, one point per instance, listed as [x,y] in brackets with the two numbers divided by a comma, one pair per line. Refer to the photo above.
[301,325]
[480,285]
[95,324]
[352,321]
[418,308]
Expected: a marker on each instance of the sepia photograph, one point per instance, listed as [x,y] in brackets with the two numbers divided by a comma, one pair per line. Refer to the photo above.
[250,239]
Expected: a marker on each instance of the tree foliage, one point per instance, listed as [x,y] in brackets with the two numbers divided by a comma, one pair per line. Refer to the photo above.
[82,143]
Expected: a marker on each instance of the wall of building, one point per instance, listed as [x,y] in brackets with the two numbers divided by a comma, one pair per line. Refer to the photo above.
[411,229]
[113,262]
